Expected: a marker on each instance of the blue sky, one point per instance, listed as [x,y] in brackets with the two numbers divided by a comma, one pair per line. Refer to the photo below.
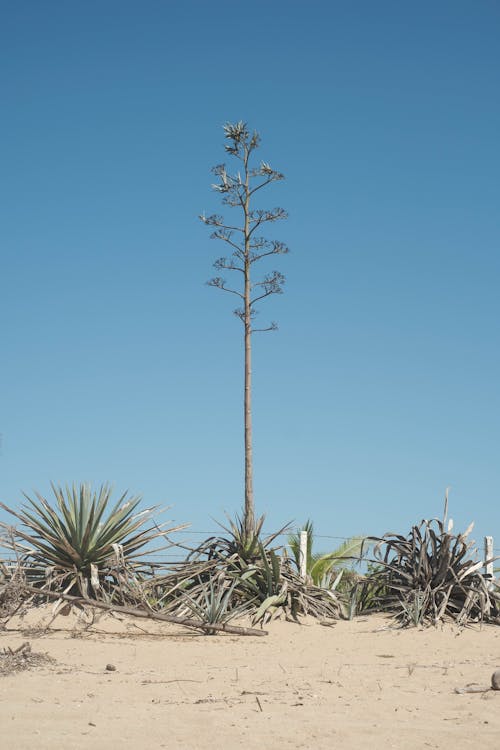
[381,387]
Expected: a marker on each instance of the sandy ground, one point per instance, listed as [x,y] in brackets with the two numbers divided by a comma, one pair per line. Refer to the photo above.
[357,684]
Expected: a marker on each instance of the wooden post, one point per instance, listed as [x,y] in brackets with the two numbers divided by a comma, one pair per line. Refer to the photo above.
[488,558]
[303,555]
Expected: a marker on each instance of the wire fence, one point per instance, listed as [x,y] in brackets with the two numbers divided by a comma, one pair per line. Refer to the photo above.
[186,538]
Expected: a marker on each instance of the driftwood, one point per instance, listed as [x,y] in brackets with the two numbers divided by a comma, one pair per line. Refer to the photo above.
[473,689]
[148,614]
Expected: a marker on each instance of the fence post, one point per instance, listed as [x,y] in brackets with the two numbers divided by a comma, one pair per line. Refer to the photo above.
[488,558]
[303,555]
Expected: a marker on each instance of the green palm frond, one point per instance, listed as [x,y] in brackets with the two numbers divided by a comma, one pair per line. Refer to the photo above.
[322,569]
[349,549]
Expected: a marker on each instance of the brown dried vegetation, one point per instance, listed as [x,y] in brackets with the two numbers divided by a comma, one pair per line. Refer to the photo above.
[428,576]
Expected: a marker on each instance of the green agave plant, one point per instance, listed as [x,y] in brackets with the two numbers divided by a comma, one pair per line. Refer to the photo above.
[324,570]
[268,583]
[214,604]
[246,547]
[80,542]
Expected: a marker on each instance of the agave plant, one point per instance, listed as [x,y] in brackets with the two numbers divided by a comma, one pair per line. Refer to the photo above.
[325,570]
[239,543]
[83,543]
[261,576]
[214,601]
[263,580]
[428,575]
[247,559]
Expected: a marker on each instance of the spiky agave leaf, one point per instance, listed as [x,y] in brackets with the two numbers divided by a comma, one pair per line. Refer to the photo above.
[269,607]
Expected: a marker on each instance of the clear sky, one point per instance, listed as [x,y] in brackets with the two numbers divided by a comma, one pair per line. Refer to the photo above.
[381,387]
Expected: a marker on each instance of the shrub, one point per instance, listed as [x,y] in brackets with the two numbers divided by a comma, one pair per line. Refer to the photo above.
[427,576]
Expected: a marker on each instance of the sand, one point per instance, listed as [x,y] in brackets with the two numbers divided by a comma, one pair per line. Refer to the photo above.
[360,684]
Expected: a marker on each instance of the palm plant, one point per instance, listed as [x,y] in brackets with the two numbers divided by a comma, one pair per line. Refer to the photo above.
[325,570]
[85,545]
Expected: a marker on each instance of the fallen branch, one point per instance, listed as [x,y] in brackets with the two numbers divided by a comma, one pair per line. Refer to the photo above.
[149,615]
[473,689]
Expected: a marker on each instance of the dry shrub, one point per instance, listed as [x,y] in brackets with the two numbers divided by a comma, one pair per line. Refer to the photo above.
[234,574]
[22,658]
[428,576]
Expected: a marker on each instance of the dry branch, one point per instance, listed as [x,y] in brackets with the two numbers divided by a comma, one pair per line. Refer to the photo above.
[149,615]
[473,689]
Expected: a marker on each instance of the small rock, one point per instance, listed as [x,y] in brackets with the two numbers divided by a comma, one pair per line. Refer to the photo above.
[495,680]
[110,668]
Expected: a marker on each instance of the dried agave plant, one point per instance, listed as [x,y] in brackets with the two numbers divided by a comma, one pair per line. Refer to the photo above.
[263,581]
[428,576]
[12,581]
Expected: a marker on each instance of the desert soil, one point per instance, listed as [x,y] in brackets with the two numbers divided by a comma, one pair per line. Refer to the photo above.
[355,684]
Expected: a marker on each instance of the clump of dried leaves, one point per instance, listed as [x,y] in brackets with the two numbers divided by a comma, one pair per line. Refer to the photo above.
[429,575]
[22,658]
